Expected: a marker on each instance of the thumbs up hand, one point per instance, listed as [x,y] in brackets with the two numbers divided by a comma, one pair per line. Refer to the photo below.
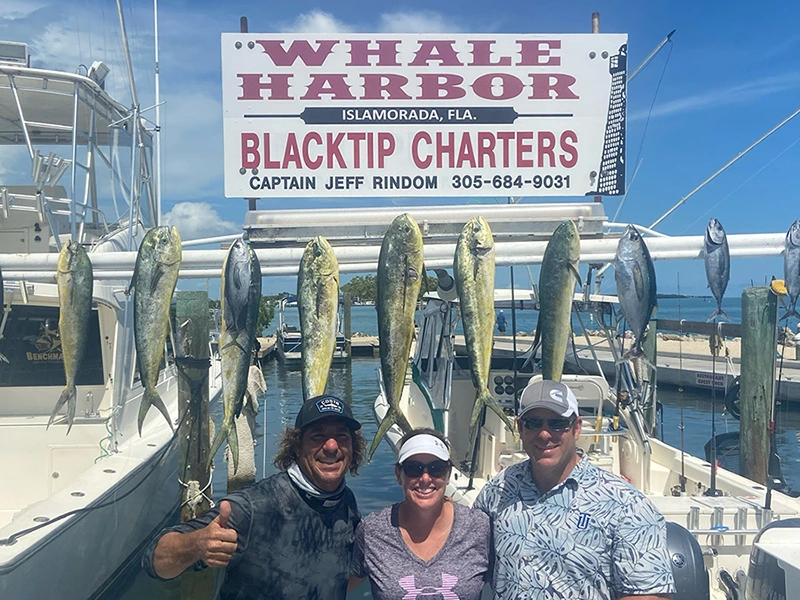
[216,543]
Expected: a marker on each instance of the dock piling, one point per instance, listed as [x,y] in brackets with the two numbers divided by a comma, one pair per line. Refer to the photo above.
[759,339]
[192,358]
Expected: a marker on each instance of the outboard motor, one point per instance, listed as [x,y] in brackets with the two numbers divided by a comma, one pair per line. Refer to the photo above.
[688,569]
[766,579]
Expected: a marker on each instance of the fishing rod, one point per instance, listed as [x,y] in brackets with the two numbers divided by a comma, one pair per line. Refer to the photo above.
[728,164]
[681,425]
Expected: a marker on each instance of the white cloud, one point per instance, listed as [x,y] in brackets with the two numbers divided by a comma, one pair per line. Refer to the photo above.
[417,22]
[316,21]
[739,94]
[196,220]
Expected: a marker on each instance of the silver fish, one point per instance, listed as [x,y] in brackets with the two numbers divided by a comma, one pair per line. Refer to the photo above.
[318,305]
[791,268]
[717,259]
[400,270]
[473,268]
[556,287]
[75,281]
[241,295]
[154,277]
[636,286]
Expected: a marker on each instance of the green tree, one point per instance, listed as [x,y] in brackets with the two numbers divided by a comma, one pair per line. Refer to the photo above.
[266,312]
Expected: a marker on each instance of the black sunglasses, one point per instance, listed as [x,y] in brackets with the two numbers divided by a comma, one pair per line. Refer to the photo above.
[435,468]
[557,424]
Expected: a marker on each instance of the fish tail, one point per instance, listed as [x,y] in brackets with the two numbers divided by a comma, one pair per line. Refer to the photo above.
[152,398]
[69,397]
[719,313]
[387,421]
[222,434]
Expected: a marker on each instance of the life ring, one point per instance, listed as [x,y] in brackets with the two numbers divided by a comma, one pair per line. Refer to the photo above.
[732,399]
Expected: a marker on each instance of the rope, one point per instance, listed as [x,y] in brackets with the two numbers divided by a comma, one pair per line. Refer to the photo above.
[201,492]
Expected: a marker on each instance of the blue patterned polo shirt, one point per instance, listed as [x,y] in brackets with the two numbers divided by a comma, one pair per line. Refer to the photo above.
[594,536]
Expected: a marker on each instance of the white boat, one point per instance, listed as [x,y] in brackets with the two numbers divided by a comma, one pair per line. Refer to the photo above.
[77,509]
[746,539]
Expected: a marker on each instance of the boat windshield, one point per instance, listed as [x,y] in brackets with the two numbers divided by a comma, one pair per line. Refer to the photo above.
[31,346]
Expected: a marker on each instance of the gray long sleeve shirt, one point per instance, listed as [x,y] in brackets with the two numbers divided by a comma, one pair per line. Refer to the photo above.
[290,545]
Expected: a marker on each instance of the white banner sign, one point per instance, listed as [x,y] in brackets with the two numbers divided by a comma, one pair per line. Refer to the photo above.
[423,114]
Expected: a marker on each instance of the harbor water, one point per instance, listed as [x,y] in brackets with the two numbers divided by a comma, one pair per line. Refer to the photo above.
[375,486]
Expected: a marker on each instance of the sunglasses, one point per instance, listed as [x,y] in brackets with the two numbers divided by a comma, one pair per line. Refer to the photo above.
[436,468]
[557,424]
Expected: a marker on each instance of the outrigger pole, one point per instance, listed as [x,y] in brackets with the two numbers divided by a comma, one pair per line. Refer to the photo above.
[728,164]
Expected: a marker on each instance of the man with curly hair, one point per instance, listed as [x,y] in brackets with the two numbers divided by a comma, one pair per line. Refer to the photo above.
[290,535]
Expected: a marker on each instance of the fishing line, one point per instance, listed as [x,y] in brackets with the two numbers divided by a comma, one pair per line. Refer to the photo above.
[681,425]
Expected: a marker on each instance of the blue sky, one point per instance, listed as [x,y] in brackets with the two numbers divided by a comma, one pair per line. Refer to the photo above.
[732,73]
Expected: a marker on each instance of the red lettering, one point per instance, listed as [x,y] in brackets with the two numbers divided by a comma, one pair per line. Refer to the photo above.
[465,152]
[360,51]
[376,84]
[334,85]
[442,149]
[356,138]
[432,85]
[532,51]
[505,137]
[510,86]
[314,163]
[544,83]
[291,153]
[570,156]
[252,85]
[268,163]
[333,150]
[250,155]
[524,147]
[386,146]
[441,50]
[297,49]
[482,54]
[421,163]
[547,144]
[486,145]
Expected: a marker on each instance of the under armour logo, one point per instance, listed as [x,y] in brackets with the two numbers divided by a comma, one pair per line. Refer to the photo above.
[583,521]
[409,584]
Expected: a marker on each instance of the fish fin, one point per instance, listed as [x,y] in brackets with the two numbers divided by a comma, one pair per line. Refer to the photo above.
[157,274]
[152,398]
[638,281]
[388,420]
[4,359]
[220,436]
[69,397]
[574,270]
[719,313]
[233,444]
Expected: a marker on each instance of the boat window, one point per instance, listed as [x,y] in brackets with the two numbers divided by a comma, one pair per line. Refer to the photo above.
[32,346]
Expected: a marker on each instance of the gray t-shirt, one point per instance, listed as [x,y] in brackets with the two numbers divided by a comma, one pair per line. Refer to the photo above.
[457,572]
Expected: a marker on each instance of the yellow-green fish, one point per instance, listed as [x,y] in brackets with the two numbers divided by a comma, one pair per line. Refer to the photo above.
[473,268]
[75,281]
[556,288]
[154,277]
[318,304]
[400,270]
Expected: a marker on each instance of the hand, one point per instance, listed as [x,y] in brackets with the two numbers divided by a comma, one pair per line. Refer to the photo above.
[216,543]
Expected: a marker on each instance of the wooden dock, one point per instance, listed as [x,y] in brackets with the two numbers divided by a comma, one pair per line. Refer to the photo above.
[362,346]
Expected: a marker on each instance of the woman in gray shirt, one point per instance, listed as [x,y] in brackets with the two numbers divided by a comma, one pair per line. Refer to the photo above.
[426,544]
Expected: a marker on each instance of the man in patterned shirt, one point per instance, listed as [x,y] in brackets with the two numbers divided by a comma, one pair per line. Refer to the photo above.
[563,528]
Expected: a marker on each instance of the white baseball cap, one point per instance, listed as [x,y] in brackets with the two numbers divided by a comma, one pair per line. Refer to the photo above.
[552,395]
